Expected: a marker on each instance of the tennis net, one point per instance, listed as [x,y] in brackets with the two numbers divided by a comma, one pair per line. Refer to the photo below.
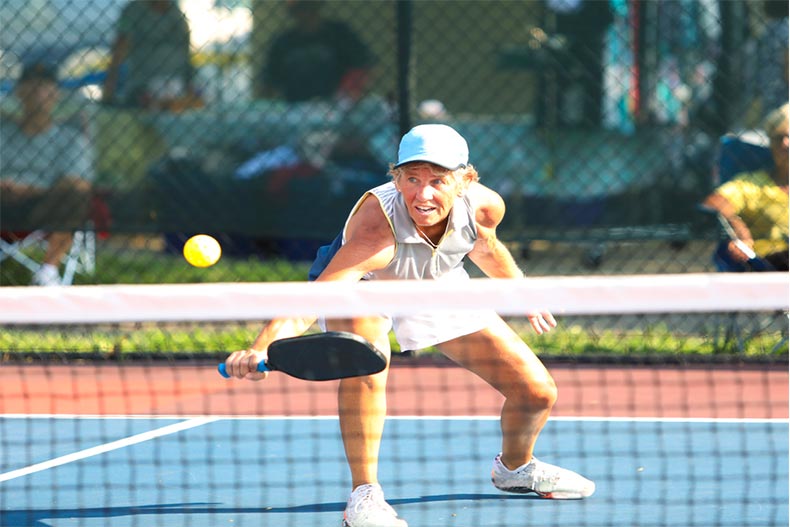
[673,398]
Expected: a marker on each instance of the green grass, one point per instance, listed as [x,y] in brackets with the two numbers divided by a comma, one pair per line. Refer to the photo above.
[169,269]
[579,341]
[136,339]
[150,267]
[211,340]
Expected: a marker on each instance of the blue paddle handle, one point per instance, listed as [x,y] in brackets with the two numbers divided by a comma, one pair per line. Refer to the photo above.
[262,367]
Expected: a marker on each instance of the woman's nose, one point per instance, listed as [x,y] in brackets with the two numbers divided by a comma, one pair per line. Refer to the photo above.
[425,192]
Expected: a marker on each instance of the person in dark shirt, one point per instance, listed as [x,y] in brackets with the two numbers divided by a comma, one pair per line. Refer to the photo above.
[316,58]
[153,42]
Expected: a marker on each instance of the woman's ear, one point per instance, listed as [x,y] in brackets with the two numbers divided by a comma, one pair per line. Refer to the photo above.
[463,184]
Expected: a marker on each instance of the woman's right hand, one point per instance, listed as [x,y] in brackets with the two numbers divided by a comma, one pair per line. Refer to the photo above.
[243,364]
[740,251]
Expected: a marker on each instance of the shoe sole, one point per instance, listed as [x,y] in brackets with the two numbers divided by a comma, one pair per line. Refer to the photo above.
[556,495]
[346,524]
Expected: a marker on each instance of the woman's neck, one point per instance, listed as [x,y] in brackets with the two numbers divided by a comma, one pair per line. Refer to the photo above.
[433,234]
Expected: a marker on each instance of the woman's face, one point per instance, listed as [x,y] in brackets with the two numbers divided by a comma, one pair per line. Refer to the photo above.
[429,195]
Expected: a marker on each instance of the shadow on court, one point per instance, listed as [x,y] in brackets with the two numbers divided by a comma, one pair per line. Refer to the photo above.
[39,517]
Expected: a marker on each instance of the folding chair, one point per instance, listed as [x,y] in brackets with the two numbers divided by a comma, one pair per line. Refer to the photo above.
[741,153]
[81,256]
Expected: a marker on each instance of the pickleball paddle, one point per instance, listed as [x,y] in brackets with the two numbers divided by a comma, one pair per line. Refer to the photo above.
[322,357]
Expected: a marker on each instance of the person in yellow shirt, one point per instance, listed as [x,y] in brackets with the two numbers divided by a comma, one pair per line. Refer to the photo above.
[755,204]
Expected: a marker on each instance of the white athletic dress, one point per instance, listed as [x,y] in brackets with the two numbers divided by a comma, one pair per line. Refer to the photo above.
[416,259]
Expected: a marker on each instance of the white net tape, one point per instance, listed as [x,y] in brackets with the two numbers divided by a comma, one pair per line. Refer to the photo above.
[583,295]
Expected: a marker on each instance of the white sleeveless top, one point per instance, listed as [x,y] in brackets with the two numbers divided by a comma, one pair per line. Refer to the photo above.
[416,259]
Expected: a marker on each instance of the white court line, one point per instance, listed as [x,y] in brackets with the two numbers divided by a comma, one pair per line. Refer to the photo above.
[236,417]
[107,447]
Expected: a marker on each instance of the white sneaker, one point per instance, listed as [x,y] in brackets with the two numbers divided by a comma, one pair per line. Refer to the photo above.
[47,275]
[366,508]
[547,481]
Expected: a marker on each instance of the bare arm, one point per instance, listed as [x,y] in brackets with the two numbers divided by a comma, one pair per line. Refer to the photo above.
[370,245]
[722,206]
[491,255]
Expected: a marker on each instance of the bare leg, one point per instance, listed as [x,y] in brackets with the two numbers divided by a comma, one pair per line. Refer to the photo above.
[66,204]
[58,244]
[499,356]
[362,404]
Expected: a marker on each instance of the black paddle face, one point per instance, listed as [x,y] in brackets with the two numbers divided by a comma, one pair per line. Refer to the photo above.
[325,356]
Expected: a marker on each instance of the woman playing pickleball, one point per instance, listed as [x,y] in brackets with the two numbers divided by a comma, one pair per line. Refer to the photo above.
[421,226]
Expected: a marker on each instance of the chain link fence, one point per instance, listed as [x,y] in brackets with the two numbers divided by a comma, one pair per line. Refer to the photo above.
[261,122]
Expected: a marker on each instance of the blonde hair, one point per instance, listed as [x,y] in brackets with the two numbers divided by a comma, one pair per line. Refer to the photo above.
[776,120]
[464,176]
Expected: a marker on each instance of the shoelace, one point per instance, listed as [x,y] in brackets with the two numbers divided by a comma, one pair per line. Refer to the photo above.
[542,474]
[375,496]
[536,472]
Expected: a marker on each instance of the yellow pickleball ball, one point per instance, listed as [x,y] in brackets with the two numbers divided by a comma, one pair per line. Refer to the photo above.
[202,250]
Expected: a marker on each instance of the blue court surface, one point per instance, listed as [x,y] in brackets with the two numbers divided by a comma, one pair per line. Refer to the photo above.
[239,472]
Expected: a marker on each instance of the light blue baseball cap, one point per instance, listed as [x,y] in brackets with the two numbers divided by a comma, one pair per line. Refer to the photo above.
[434,143]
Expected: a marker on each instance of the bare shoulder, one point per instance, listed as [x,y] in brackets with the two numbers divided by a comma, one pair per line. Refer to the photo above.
[370,243]
[369,222]
[489,205]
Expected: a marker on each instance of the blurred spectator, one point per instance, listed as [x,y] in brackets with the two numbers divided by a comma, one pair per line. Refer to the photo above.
[152,45]
[316,58]
[46,167]
[766,63]
[756,204]
[574,91]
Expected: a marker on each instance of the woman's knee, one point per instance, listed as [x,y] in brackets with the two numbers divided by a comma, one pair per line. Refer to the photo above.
[366,386]
[375,329]
[547,393]
[535,394]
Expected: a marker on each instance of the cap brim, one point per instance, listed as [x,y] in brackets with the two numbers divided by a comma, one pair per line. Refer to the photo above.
[423,159]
